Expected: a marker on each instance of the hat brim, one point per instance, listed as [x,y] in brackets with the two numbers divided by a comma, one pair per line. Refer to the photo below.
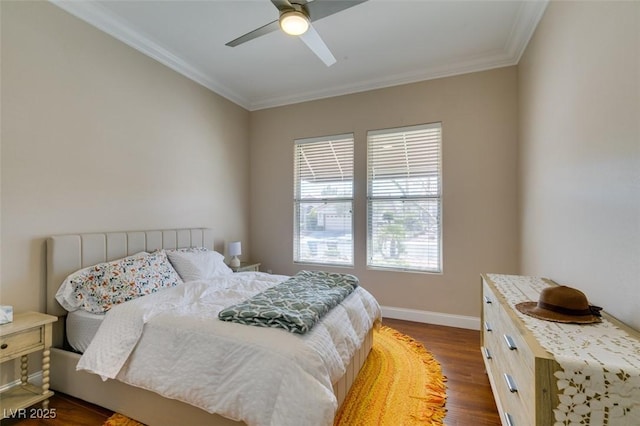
[532,309]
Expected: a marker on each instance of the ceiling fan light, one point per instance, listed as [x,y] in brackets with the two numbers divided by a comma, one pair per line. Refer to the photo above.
[294,22]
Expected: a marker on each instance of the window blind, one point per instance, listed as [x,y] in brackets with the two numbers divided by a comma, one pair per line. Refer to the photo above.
[404,183]
[323,200]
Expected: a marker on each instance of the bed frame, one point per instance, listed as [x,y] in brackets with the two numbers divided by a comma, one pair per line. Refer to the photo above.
[67,254]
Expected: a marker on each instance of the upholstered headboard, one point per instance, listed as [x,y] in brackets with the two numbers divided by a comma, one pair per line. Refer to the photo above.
[68,253]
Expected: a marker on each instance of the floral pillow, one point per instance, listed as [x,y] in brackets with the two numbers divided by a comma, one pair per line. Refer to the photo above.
[98,288]
[198,264]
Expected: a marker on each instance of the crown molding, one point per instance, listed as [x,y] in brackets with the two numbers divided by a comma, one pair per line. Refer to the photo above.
[529,15]
[483,63]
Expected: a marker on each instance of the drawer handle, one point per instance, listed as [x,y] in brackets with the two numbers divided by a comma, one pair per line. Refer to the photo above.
[511,384]
[487,299]
[487,353]
[508,419]
[4,346]
[487,326]
[510,343]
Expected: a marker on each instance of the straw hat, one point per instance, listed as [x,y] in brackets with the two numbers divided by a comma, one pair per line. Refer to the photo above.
[562,304]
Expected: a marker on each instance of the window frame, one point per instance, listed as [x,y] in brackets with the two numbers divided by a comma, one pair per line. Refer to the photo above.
[299,200]
[372,199]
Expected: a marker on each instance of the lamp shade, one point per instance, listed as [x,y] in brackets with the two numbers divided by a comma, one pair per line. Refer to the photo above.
[235,248]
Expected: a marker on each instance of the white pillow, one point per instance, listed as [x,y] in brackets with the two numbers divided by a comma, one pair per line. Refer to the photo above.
[198,264]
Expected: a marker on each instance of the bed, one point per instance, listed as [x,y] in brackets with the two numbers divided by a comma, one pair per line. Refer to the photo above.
[67,254]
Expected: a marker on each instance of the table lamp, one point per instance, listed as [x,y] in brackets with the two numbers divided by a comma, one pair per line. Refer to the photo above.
[235,250]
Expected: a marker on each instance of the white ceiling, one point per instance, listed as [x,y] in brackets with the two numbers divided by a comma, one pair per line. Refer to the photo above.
[377,44]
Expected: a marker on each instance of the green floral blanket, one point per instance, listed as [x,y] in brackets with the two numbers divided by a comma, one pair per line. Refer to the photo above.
[296,304]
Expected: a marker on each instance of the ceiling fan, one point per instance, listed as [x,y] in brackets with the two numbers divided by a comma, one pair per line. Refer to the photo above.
[295,19]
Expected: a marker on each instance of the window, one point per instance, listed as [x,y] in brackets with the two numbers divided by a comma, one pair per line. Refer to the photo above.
[323,200]
[404,204]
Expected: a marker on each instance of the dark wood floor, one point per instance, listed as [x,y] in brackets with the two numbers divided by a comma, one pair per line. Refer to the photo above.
[469,398]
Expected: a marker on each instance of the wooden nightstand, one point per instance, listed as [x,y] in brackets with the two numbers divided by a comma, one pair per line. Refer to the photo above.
[246,266]
[28,333]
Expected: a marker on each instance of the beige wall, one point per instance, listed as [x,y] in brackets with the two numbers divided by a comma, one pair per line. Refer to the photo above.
[479,117]
[579,89]
[97,137]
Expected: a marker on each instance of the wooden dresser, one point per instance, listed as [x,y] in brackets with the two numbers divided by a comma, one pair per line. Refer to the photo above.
[521,371]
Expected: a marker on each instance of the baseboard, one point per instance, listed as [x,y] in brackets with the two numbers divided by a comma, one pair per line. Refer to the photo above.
[438,318]
[34,379]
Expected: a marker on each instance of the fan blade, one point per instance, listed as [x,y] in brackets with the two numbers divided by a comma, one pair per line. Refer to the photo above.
[312,39]
[319,9]
[282,5]
[265,29]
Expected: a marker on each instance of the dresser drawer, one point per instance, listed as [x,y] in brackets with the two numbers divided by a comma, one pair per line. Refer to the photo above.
[496,323]
[515,384]
[15,344]
[503,327]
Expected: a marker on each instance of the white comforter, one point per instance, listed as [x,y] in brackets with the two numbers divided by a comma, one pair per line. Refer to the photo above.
[172,343]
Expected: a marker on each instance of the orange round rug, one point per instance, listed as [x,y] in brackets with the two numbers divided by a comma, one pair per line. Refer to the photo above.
[400,384]
[120,420]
